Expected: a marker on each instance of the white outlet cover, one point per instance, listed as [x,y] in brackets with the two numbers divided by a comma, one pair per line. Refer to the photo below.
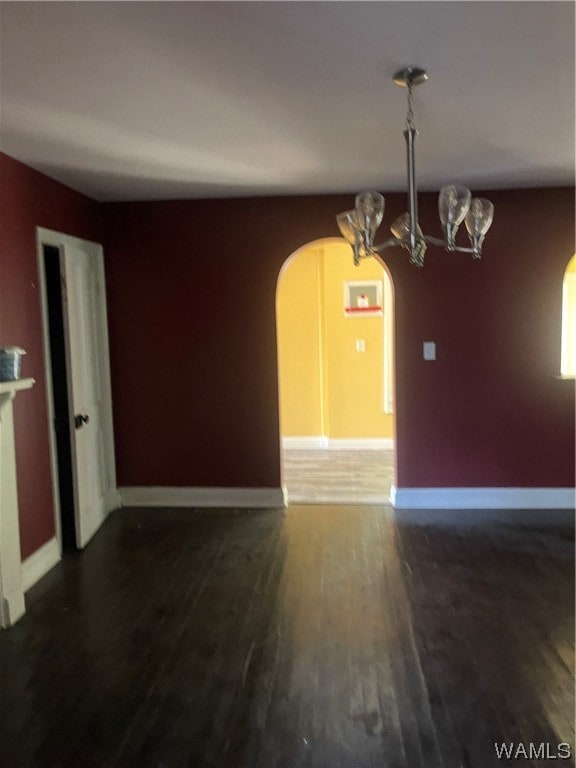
[429,350]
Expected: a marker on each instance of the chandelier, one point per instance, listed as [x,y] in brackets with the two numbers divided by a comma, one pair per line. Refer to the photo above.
[455,205]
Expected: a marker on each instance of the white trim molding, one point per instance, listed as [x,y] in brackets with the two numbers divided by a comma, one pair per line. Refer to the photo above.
[482,498]
[338,499]
[39,563]
[305,442]
[361,444]
[12,605]
[201,497]
[112,500]
[320,442]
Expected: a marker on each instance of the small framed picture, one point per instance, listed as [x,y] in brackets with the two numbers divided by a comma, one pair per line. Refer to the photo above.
[362,298]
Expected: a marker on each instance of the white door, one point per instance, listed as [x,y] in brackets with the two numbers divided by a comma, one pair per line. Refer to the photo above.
[84,306]
[88,374]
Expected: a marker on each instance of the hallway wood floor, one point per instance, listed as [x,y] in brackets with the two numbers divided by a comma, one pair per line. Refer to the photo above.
[320,637]
[337,477]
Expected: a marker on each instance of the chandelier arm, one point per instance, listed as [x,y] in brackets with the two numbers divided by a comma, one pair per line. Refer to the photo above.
[435,241]
[390,243]
[442,244]
[460,249]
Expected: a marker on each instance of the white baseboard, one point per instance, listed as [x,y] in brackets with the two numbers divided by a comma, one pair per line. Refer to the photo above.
[39,563]
[305,442]
[360,443]
[112,500]
[201,497]
[320,442]
[338,499]
[482,498]
[12,608]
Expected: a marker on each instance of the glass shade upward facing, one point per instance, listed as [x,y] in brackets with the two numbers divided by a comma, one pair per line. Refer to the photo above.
[453,204]
[348,225]
[359,225]
[480,216]
[369,213]
[401,229]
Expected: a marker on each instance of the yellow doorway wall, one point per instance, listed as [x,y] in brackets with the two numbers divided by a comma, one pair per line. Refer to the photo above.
[568,358]
[328,388]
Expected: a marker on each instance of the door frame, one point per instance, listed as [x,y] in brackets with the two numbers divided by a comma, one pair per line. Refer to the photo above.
[60,240]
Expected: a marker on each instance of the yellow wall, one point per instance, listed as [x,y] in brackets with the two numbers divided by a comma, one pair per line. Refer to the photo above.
[568,360]
[327,387]
[298,328]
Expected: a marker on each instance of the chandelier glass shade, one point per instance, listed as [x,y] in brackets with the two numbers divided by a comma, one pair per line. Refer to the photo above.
[455,205]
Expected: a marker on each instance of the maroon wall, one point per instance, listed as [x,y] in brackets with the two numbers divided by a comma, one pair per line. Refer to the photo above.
[191,292]
[27,200]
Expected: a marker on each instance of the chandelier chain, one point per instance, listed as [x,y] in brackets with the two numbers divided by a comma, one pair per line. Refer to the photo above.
[410,114]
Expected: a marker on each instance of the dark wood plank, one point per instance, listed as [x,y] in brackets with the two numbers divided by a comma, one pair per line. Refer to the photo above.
[322,637]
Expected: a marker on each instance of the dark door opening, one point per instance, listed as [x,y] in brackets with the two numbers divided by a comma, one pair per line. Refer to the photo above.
[60,395]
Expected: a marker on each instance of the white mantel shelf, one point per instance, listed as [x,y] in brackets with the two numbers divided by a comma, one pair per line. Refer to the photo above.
[7,387]
[11,590]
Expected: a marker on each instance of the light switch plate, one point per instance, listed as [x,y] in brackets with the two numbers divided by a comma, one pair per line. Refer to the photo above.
[360,345]
[429,350]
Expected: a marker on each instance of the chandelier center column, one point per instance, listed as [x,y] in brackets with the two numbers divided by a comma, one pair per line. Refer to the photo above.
[410,136]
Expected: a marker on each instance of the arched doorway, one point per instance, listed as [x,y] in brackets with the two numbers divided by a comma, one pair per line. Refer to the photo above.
[336,376]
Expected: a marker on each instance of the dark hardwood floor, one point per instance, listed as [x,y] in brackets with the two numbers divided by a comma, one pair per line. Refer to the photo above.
[323,637]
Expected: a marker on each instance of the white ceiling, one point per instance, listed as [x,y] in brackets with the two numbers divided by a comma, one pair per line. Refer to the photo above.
[152,100]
